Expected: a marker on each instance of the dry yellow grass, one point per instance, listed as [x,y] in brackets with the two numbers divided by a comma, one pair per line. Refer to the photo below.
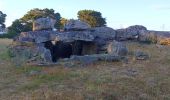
[165,41]
[135,80]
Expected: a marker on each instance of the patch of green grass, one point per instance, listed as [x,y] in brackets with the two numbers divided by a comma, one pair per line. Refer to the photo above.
[27,69]
[4,53]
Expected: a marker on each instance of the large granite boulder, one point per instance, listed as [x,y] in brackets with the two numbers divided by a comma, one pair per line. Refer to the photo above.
[43,24]
[129,33]
[76,25]
[104,32]
[22,53]
[37,36]
[103,35]
[148,37]
[72,36]
[117,48]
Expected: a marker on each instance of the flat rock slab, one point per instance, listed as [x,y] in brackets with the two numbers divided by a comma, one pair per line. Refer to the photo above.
[44,36]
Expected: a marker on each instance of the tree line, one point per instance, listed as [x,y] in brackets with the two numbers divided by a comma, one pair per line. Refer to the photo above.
[23,24]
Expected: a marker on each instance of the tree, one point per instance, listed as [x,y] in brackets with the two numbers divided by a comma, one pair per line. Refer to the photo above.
[63,21]
[39,13]
[93,18]
[17,27]
[25,23]
[2,19]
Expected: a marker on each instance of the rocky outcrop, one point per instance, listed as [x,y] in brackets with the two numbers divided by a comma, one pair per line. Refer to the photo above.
[76,25]
[43,24]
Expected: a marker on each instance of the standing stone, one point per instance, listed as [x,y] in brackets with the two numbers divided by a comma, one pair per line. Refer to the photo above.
[43,24]
[117,48]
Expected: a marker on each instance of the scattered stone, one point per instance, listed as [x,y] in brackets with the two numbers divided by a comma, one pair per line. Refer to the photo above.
[43,24]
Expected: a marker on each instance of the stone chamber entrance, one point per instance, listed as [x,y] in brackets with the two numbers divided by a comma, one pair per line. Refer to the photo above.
[60,49]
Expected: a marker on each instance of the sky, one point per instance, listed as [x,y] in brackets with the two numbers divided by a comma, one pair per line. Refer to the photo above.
[153,14]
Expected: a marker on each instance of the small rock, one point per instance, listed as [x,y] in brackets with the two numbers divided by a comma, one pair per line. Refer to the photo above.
[33,73]
[139,55]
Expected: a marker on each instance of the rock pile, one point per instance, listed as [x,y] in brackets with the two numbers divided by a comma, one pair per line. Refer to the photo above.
[80,42]
[46,46]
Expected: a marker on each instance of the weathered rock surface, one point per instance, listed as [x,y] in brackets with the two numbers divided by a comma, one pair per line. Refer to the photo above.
[37,36]
[104,33]
[43,24]
[76,25]
[43,36]
[131,32]
[27,53]
[117,48]
[74,35]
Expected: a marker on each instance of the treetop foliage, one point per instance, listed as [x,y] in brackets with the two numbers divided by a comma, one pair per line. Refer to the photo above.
[2,19]
[40,13]
[93,18]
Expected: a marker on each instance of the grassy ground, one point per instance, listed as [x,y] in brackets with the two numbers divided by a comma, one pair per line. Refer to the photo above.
[136,80]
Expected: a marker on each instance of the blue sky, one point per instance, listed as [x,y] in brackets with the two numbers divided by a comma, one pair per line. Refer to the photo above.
[154,14]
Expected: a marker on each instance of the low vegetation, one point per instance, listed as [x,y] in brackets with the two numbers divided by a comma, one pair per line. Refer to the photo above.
[165,42]
[135,80]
